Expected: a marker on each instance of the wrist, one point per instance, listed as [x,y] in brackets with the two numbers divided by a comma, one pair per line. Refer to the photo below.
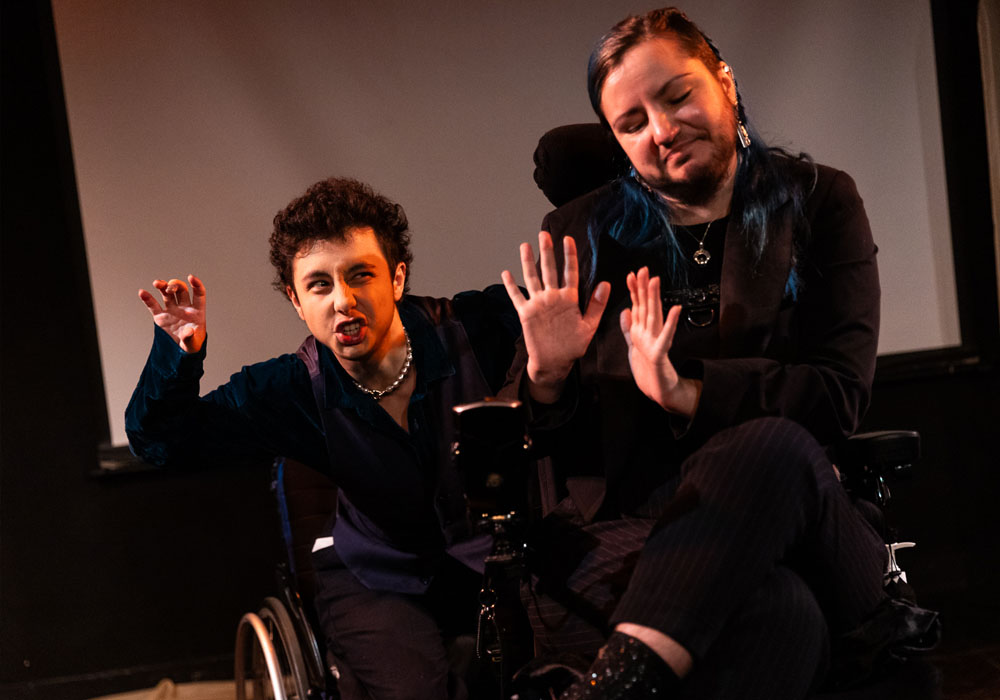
[684,398]
[546,386]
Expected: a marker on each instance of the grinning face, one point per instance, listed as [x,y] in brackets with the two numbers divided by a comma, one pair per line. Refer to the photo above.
[346,294]
[674,118]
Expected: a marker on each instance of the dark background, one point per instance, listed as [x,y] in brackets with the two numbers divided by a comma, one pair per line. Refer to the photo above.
[111,582]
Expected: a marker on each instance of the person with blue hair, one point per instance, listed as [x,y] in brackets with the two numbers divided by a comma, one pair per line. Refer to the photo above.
[715,327]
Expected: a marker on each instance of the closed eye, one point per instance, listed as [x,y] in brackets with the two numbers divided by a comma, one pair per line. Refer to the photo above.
[633,127]
[678,100]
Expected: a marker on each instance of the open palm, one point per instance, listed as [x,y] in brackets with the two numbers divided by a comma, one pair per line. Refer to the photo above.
[649,337]
[556,333]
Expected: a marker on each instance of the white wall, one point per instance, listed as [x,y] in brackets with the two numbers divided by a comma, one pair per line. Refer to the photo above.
[193,123]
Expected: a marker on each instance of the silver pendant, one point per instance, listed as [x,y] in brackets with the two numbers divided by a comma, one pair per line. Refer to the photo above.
[702,256]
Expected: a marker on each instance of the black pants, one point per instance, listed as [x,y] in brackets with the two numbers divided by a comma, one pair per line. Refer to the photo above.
[392,646]
[757,556]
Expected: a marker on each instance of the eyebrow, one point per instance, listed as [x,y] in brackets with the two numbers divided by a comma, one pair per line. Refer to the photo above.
[358,266]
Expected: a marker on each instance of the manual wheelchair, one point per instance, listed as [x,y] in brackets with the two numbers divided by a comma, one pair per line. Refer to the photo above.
[279,650]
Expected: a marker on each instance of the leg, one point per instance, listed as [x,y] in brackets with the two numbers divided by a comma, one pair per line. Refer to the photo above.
[582,574]
[759,494]
[776,646]
[754,496]
[391,644]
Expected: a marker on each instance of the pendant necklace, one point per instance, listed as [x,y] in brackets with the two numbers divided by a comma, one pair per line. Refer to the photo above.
[379,393]
[701,256]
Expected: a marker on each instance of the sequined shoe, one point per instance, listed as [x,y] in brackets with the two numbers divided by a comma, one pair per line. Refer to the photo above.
[624,668]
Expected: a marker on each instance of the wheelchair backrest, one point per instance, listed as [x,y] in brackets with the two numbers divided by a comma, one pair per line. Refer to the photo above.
[307,504]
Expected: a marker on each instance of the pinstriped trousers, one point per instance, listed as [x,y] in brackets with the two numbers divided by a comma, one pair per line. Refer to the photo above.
[756,557]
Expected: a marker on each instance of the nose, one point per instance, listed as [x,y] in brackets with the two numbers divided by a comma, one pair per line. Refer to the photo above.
[664,128]
[343,298]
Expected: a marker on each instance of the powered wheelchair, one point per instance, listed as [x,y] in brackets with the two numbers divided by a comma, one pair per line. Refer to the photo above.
[278,653]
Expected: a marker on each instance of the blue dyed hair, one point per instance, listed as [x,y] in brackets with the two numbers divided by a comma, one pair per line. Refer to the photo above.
[761,186]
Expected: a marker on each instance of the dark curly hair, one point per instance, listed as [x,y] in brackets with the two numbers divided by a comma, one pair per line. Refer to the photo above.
[327,211]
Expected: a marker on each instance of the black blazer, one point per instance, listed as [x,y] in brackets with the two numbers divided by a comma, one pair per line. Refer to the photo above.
[810,359]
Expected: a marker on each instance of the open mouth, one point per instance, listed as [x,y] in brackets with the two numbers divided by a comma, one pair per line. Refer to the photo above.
[351,332]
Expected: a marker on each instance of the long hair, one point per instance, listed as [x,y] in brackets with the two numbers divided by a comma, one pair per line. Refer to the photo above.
[761,185]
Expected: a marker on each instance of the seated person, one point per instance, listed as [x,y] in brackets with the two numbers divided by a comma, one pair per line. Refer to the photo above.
[699,543]
[367,399]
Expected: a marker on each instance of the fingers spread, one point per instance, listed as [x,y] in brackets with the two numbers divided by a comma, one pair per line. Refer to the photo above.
[531,281]
[597,303]
[512,289]
[177,291]
[654,306]
[670,326]
[547,261]
[571,266]
[198,292]
[150,301]
[625,323]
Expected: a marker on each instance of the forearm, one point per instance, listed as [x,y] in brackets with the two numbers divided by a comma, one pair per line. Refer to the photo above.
[263,411]
[159,416]
[828,402]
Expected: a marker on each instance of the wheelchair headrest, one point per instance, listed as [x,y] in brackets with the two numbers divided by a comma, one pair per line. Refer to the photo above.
[574,159]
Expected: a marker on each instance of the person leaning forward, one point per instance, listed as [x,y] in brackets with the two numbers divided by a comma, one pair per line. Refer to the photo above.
[698,543]
[366,399]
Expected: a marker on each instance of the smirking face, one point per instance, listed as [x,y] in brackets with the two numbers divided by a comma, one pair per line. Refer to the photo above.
[674,118]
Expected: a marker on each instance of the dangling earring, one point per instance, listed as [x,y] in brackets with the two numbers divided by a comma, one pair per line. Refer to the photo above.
[741,131]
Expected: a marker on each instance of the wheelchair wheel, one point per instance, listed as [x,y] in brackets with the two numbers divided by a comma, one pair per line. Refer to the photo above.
[269,661]
[311,656]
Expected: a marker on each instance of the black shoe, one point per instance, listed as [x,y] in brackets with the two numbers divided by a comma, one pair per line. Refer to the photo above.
[624,668]
[896,630]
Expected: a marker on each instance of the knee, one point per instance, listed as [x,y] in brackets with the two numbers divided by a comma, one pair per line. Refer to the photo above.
[767,455]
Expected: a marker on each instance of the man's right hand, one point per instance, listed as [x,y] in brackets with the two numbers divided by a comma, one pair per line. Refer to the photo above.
[182,314]
[556,334]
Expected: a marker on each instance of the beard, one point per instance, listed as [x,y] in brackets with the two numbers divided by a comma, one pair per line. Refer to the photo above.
[704,181]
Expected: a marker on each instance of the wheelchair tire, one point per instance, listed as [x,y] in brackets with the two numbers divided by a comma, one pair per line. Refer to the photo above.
[268,656]
[256,666]
[311,656]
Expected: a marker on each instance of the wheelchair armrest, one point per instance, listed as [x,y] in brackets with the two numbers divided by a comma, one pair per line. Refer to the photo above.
[867,460]
[884,452]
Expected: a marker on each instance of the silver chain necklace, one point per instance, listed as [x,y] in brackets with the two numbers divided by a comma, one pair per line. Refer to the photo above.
[379,393]
[701,256]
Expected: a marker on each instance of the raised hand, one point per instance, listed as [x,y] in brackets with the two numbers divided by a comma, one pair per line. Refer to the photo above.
[556,333]
[182,314]
[649,337]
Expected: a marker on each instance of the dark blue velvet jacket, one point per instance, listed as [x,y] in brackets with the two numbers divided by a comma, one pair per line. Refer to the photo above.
[400,502]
